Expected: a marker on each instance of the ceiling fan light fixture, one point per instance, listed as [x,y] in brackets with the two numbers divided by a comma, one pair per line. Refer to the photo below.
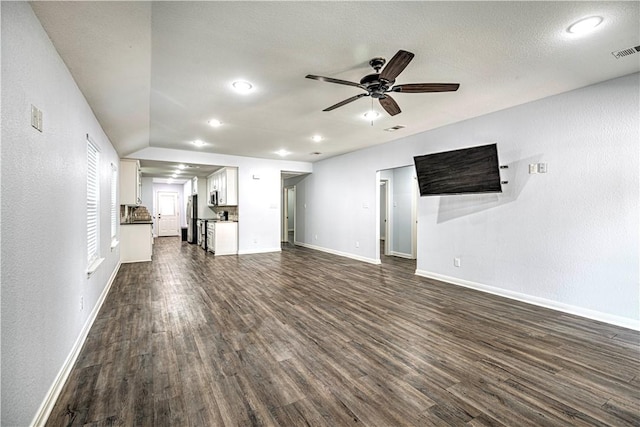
[585,25]
[242,86]
[371,115]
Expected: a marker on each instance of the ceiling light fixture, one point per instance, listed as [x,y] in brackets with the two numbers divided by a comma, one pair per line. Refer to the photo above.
[181,166]
[198,143]
[174,176]
[282,152]
[317,138]
[371,115]
[215,123]
[178,171]
[585,25]
[242,86]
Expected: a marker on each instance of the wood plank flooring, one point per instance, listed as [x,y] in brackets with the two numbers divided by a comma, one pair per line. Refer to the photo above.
[304,338]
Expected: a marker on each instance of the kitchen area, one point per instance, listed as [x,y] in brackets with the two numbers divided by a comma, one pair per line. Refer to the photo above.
[197,202]
[212,212]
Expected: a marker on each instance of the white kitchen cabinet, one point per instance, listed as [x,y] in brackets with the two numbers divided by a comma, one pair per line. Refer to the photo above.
[226,238]
[136,242]
[130,184]
[194,186]
[225,182]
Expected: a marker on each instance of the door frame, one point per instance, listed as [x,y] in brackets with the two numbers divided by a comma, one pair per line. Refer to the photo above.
[387,229]
[285,212]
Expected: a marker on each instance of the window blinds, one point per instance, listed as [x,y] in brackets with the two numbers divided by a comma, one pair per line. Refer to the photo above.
[93,192]
[114,206]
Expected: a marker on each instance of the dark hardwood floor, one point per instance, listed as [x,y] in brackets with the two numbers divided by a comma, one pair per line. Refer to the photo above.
[304,338]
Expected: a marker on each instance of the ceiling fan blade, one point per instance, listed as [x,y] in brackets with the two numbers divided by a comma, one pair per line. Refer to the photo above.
[332,80]
[426,87]
[346,101]
[395,66]
[390,105]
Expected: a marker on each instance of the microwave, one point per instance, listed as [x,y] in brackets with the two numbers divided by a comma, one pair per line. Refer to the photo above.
[213,198]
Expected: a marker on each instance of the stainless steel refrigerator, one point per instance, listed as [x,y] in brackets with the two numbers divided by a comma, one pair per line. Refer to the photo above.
[192,218]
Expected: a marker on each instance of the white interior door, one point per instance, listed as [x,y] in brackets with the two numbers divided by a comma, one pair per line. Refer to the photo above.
[168,219]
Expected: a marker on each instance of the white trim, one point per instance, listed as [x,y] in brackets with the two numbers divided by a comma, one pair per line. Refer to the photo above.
[342,254]
[54,391]
[401,255]
[258,251]
[93,266]
[624,322]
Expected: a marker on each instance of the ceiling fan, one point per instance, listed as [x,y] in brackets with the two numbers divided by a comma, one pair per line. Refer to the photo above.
[379,84]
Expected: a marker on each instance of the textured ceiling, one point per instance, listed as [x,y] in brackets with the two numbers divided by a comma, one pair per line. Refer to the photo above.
[156,72]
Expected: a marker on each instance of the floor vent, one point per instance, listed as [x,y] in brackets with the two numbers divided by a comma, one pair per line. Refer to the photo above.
[625,52]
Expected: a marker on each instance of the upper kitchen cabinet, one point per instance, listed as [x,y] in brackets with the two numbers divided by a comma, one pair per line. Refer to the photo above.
[130,183]
[225,182]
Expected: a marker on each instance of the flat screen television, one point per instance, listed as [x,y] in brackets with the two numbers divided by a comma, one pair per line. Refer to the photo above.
[464,171]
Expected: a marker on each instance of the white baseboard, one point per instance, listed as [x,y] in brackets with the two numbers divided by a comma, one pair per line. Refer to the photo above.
[54,391]
[541,302]
[342,254]
[258,251]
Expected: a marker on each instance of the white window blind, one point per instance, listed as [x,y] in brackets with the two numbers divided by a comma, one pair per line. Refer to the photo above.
[93,193]
[114,206]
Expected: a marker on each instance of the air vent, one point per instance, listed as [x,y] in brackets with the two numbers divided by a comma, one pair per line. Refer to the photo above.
[316,153]
[395,128]
[625,52]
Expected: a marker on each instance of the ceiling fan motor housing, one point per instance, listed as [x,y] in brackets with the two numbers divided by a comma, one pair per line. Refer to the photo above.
[375,85]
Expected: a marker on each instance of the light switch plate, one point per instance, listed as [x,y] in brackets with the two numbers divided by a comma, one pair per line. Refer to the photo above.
[36,118]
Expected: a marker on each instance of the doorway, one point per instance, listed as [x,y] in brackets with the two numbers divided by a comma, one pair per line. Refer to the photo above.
[289,215]
[385,233]
[398,213]
[168,217]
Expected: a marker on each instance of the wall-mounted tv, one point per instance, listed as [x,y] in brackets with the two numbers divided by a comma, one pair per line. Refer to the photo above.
[464,171]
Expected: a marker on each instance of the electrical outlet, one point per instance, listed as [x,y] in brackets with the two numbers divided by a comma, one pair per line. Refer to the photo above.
[357,244]
[456,262]
[533,168]
[542,168]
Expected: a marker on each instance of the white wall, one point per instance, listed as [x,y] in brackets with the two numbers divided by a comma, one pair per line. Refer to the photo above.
[566,239]
[44,255]
[259,192]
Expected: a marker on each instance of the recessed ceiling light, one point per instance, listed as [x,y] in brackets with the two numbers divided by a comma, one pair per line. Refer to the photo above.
[198,143]
[585,25]
[174,176]
[181,166]
[178,171]
[242,86]
[282,152]
[317,138]
[371,115]
[215,123]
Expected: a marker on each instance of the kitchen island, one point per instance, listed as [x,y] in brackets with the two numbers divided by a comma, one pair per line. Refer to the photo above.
[136,241]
